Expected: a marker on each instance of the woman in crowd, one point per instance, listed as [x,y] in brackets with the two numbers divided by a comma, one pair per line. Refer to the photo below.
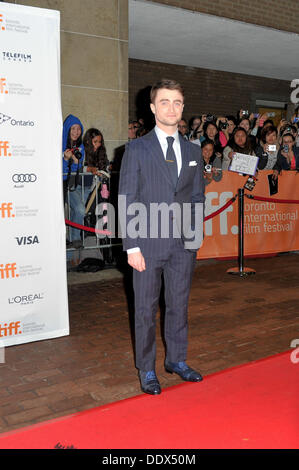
[96,160]
[239,143]
[288,155]
[212,162]
[97,163]
[245,123]
[211,132]
[232,123]
[73,157]
[268,148]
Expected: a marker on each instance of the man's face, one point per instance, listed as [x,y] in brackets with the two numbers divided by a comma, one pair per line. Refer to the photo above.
[131,131]
[168,107]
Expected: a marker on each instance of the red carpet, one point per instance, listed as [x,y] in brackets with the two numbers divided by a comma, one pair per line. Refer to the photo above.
[254,406]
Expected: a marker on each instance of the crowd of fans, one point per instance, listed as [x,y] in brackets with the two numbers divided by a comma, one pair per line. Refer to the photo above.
[82,153]
[252,134]
[219,138]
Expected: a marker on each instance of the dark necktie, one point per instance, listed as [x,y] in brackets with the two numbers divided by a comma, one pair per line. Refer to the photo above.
[171,160]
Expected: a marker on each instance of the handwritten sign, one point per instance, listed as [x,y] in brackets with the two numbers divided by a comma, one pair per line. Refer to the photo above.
[245,164]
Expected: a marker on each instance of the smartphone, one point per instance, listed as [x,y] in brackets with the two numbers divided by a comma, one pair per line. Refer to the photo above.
[296,119]
[273,185]
[271,148]
[271,114]
[256,115]
[286,148]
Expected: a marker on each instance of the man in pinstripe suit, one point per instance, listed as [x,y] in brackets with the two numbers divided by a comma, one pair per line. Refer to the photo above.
[162,170]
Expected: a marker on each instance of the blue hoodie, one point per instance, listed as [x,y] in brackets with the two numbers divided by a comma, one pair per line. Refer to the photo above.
[68,123]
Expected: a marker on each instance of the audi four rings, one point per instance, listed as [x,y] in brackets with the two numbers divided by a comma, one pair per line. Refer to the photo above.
[24,178]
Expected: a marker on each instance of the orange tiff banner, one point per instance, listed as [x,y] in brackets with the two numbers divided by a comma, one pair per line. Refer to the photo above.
[269,227]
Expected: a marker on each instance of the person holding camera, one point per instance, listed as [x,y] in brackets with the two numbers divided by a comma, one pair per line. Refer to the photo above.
[211,132]
[212,162]
[288,155]
[238,143]
[73,157]
[268,148]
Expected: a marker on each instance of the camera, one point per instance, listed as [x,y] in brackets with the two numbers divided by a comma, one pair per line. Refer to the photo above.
[208,168]
[223,125]
[271,148]
[77,153]
[271,114]
[210,118]
[285,148]
[245,113]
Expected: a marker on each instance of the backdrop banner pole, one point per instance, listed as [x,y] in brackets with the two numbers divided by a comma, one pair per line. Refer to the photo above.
[241,270]
[33,277]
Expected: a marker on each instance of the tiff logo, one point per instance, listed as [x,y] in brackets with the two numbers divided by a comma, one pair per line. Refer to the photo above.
[4,148]
[13,328]
[2,28]
[3,89]
[6,210]
[8,270]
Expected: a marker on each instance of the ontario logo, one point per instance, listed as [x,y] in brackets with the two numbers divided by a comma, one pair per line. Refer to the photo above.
[4,118]
[10,329]
[8,271]
[15,122]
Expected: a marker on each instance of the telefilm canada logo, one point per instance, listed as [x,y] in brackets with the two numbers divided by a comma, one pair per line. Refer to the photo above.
[15,122]
[10,56]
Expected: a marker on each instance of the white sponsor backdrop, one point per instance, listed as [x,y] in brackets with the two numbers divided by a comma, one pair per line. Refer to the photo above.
[33,282]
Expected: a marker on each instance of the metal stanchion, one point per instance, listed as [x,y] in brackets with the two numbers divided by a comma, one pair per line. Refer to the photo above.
[241,270]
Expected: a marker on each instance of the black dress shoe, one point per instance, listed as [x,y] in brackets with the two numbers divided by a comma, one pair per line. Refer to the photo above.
[184,371]
[149,382]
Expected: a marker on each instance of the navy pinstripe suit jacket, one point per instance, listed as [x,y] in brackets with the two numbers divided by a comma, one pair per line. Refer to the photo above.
[145,178]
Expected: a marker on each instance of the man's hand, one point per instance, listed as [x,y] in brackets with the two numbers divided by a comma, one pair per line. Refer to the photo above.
[136,260]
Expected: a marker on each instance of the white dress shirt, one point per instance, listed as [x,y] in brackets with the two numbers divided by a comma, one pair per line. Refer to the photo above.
[164,145]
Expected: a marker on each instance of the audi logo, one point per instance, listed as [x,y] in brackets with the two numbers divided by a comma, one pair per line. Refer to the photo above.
[24,178]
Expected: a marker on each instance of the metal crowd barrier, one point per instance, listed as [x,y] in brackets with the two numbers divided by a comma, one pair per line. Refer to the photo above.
[96,183]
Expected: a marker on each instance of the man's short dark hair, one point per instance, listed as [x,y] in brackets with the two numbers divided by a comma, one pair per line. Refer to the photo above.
[165,83]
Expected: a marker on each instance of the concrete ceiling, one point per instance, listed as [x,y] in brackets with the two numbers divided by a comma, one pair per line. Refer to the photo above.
[161,33]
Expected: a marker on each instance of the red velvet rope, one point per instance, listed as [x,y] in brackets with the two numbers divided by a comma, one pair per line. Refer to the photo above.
[267,199]
[87,229]
[226,205]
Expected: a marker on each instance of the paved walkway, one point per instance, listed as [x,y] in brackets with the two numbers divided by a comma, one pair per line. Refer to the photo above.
[232,321]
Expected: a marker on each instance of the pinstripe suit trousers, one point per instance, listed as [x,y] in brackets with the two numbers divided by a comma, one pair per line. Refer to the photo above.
[177,268]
